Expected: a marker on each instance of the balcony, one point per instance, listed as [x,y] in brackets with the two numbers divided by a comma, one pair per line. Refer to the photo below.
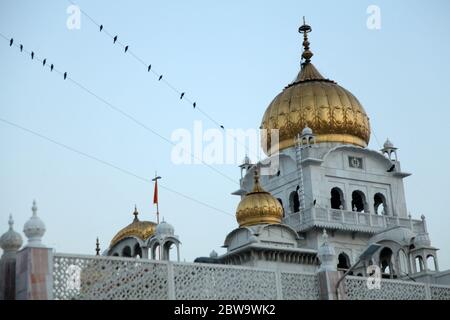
[349,221]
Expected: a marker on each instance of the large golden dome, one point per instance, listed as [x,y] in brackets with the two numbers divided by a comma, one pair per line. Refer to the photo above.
[332,112]
[258,207]
[139,229]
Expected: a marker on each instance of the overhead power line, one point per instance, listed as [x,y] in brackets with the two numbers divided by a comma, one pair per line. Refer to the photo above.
[121,111]
[150,68]
[109,164]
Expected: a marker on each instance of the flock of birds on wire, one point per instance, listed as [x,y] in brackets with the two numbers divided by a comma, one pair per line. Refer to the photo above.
[115,38]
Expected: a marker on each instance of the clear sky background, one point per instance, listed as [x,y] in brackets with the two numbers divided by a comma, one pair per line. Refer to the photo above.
[233,58]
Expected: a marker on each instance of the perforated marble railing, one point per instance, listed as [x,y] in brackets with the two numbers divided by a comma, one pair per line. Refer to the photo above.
[93,277]
[357,289]
[438,292]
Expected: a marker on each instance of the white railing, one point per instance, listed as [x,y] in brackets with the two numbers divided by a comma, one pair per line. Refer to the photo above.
[94,277]
[356,289]
[349,220]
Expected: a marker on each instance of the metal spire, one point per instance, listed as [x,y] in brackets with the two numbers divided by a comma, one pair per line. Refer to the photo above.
[34,208]
[97,247]
[135,213]
[10,222]
[305,29]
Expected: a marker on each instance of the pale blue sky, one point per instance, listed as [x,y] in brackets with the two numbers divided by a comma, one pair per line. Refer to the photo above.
[232,57]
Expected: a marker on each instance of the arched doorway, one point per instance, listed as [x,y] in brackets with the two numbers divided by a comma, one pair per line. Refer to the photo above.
[379,204]
[337,198]
[431,263]
[343,261]
[358,201]
[294,202]
[137,251]
[126,252]
[419,264]
[386,263]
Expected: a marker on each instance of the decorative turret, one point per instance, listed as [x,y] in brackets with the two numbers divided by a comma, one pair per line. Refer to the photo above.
[34,229]
[326,254]
[10,241]
[389,150]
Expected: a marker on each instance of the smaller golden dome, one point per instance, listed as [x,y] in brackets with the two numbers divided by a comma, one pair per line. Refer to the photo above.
[139,229]
[258,207]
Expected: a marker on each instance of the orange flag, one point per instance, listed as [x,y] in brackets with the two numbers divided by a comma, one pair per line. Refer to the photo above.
[155,195]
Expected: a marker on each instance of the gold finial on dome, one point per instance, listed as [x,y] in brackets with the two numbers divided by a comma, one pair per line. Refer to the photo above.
[135,213]
[138,229]
[258,207]
[305,29]
[333,113]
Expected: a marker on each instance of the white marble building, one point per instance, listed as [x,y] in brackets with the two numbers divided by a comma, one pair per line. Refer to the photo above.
[300,228]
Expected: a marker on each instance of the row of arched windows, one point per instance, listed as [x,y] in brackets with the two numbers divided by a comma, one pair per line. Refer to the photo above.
[126,252]
[337,201]
[358,203]
[386,263]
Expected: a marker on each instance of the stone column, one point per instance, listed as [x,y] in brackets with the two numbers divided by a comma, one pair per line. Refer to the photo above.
[327,285]
[327,274]
[34,263]
[8,276]
[10,242]
[34,274]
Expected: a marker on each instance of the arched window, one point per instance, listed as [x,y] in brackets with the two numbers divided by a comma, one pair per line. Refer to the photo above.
[419,264]
[294,202]
[281,202]
[126,252]
[358,201]
[137,250]
[379,203]
[343,261]
[386,262]
[403,262]
[337,198]
[431,263]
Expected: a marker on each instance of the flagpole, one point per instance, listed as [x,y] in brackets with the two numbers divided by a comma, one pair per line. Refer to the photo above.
[155,197]
[156,200]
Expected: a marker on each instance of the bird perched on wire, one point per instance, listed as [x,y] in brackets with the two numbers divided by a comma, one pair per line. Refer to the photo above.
[160,77]
[115,39]
[21,47]
[101,28]
[32,55]
[222,127]
[149,68]
[43,62]
[65,75]
[51,67]
[194,104]
[126,48]
[182,95]
[11,42]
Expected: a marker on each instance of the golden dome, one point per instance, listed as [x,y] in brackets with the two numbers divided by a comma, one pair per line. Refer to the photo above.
[258,207]
[332,112]
[139,229]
